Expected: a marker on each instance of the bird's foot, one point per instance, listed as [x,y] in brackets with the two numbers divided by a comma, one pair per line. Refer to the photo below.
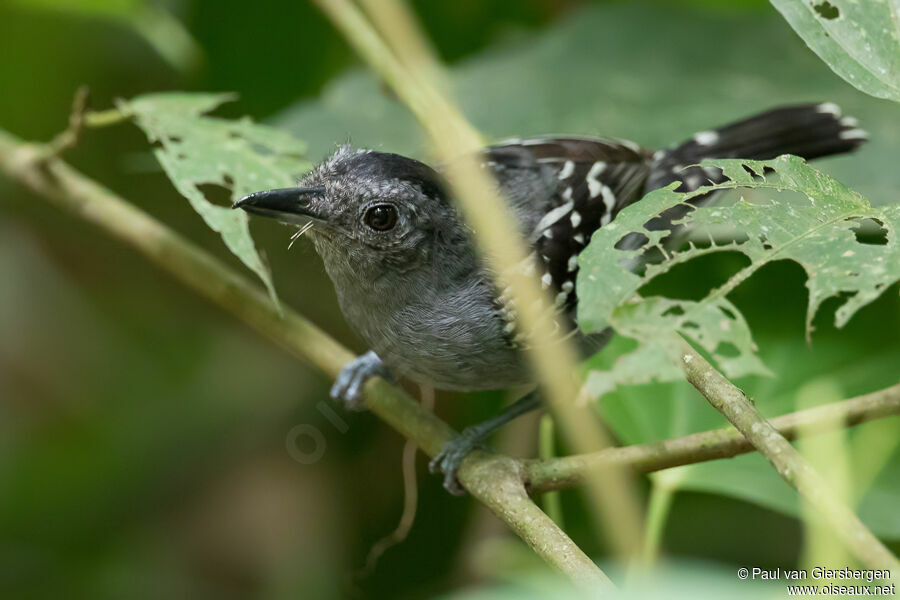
[451,456]
[351,381]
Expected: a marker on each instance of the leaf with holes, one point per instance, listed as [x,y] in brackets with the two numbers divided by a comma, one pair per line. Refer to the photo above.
[818,227]
[195,149]
[859,40]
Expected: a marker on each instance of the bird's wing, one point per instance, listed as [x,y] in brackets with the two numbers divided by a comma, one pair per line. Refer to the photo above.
[563,189]
[587,181]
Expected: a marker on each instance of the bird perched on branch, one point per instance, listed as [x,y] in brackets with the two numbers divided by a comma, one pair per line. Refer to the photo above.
[404,265]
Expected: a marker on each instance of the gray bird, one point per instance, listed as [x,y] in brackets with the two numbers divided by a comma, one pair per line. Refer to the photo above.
[406,272]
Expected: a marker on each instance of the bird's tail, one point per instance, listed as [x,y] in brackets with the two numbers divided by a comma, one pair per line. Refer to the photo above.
[806,130]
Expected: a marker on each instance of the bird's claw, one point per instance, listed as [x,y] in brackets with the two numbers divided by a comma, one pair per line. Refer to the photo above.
[451,456]
[351,381]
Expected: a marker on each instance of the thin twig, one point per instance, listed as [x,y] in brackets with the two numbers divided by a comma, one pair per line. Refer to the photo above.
[569,471]
[410,497]
[69,137]
[725,397]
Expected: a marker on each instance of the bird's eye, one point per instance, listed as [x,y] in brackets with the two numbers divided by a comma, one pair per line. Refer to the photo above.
[381,217]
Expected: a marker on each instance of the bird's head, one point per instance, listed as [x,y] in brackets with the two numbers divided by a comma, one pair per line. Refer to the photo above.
[371,213]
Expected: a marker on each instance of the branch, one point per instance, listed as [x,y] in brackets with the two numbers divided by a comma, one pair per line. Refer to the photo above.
[790,464]
[496,481]
[569,471]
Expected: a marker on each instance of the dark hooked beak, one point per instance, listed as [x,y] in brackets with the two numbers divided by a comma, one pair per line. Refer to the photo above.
[288,205]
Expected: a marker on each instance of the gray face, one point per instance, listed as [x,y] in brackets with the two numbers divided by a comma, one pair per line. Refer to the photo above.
[371,212]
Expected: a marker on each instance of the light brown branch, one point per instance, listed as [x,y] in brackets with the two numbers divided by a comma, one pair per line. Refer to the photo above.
[569,471]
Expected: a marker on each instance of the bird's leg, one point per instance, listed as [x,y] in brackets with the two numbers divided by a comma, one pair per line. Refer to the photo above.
[451,456]
[350,382]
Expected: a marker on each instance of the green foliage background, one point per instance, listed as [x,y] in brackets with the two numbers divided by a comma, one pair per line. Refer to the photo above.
[142,432]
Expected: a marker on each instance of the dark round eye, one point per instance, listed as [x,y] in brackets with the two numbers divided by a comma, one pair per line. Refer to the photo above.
[381,217]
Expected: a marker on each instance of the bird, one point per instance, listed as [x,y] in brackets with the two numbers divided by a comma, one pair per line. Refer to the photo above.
[406,272]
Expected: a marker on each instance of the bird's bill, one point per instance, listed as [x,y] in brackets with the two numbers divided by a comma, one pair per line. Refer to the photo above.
[288,205]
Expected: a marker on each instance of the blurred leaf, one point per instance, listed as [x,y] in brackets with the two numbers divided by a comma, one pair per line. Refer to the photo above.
[171,40]
[816,230]
[859,40]
[195,149]
[676,580]
[574,77]
[96,8]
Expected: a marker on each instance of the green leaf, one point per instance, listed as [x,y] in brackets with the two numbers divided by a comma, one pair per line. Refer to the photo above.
[171,40]
[195,149]
[816,227]
[675,579]
[95,8]
[645,364]
[574,77]
[860,40]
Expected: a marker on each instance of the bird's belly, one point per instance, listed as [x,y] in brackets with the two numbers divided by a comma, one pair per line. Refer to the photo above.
[455,356]
[451,368]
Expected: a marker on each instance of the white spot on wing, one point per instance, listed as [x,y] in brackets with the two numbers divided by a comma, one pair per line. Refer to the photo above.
[553,216]
[546,280]
[567,170]
[575,218]
[609,199]
[594,185]
[573,263]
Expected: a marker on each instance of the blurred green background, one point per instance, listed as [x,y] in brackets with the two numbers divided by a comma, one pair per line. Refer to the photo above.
[143,432]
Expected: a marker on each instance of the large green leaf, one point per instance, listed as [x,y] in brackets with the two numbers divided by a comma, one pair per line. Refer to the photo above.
[859,39]
[595,72]
[816,226]
[195,149]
